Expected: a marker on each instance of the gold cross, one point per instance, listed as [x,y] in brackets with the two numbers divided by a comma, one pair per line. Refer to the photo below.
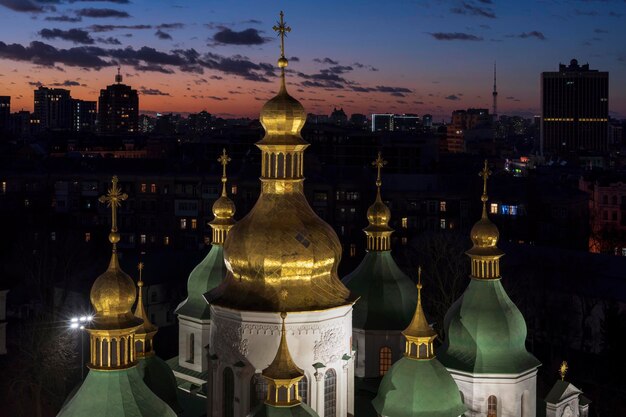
[419,284]
[224,159]
[282,29]
[563,370]
[485,173]
[379,163]
[113,199]
[140,268]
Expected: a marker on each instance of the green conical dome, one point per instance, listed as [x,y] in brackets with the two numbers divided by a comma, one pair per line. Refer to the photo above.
[486,332]
[115,393]
[158,376]
[299,410]
[418,388]
[207,275]
[387,295]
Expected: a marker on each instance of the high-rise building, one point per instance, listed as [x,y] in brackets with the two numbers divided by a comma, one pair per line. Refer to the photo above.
[395,122]
[463,121]
[83,115]
[5,112]
[574,109]
[118,108]
[53,108]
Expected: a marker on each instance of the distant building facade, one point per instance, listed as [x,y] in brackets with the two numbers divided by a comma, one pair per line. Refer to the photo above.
[465,125]
[118,109]
[5,112]
[84,115]
[574,109]
[53,108]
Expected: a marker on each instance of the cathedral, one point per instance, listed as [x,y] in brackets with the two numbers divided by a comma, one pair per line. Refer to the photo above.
[268,328]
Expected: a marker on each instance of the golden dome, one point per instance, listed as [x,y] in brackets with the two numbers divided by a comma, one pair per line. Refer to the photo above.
[281,256]
[223,208]
[378,215]
[484,233]
[419,335]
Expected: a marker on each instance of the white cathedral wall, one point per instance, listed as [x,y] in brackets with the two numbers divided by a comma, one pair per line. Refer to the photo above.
[247,342]
[368,344]
[201,331]
[516,394]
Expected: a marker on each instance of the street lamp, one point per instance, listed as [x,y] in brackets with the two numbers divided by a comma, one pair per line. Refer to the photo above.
[78,323]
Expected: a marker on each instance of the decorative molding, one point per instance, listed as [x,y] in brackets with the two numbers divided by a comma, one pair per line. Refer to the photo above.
[329,347]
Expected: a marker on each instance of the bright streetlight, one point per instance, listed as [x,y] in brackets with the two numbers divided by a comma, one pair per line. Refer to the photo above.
[78,323]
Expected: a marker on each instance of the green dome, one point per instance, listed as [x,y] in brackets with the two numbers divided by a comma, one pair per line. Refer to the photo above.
[159,377]
[485,332]
[207,275]
[387,295]
[115,393]
[298,410]
[418,388]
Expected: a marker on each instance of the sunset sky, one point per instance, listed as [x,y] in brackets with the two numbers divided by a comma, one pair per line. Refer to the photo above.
[365,56]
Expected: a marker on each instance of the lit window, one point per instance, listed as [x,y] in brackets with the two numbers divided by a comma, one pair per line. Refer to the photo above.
[87,237]
[352,250]
[493,208]
[166,240]
[384,360]
[144,188]
[3,187]
[405,222]
[183,224]
[492,406]
[233,190]
[194,224]
[442,206]
[142,239]
[442,223]
[153,188]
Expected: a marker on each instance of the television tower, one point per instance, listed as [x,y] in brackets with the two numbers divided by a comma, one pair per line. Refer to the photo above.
[494,110]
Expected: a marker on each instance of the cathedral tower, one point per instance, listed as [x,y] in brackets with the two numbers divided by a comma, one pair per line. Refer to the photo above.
[281,257]
[485,346]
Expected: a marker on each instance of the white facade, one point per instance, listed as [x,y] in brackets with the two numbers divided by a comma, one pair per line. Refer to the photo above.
[193,337]
[515,395]
[568,404]
[369,344]
[243,343]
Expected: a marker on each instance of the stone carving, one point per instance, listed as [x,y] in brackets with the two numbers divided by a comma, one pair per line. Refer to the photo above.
[328,348]
[229,342]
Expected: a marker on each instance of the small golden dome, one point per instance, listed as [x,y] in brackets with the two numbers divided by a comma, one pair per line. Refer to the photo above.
[224,208]
[378,214]
[112,296]
[283,117]
[484,233]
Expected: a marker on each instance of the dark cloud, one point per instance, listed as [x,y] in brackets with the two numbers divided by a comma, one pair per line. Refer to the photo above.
[68,19]
[600,31]
[248,36]
[216,77]
[468,8]
[294,59]
[162,35]
[418,102]
[109,28]
[109,41]
[532,34]
[35,83]
[152,92]
[217,98]
[578,12]
[452,97]
[66,83]
[455,36]
[615,14]
[153,68]
[43,54]
[171,26]
[252,22]
[23,6]
[101,13]
[72,35]
[326,60]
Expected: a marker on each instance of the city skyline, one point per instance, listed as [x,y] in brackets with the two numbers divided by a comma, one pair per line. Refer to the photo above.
[366,59]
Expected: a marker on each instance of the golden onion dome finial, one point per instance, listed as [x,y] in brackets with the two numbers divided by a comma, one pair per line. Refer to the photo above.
[563,368]
[282,29]
[484,253]
[223,208]
[113,199]
[378,231]
[146,331]
[419,335]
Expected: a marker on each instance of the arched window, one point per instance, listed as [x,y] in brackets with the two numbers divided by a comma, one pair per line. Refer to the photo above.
[191,348]
[228,398]
[303,389]
[384,360]
[258,390]
[330,393]
[492,406]
[138,346]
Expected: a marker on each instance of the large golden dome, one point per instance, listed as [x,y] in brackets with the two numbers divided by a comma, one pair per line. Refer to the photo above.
[281,256]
